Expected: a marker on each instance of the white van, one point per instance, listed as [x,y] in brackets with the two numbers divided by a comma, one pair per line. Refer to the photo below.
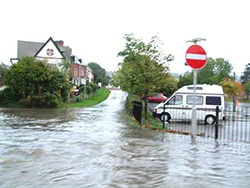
[179,105]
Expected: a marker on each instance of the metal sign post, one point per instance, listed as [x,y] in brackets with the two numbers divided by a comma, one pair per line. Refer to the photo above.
[194,119]
[196,58]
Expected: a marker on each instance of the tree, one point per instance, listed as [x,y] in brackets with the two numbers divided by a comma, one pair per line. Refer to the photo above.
[142,71]
[246,74]
[247,88]
[231,88]
[3,68]
[37,83]
[214,71]
[100,74]
[186,79]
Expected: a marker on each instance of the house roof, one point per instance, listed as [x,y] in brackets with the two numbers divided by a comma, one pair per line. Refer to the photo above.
[45,44]
[27,48]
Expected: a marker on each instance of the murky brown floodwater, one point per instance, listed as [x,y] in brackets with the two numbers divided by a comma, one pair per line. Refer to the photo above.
[95,147]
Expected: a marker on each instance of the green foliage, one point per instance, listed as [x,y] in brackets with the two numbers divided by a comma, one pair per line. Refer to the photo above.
[100,74]
[64,67]
[93,86]
[170,88]
[3,68]
[143,71]
[214,72]
[247,88]
[45,100]
[6,96]
[186,79]
[89,89]
[245,77]
[129,103]
[152,49]
[231,88]
[36,83]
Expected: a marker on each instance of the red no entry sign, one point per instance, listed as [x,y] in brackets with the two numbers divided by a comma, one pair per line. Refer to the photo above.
[196,57]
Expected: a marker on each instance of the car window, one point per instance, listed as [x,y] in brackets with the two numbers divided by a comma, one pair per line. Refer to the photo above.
[210,100]
[158,95]
[175,100]
[198,100]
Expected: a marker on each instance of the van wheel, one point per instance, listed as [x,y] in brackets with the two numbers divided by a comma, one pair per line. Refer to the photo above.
[166,116]
[210,119]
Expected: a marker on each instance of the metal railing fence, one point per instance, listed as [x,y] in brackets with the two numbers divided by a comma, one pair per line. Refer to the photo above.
[235,127]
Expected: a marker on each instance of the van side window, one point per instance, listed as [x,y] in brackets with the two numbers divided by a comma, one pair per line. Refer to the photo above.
[176,100]
[210,100]
[198,100]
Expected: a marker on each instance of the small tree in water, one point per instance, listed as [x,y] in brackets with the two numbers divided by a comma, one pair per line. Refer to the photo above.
[143,71]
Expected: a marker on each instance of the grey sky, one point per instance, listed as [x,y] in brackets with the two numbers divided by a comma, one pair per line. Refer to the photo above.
[95,29]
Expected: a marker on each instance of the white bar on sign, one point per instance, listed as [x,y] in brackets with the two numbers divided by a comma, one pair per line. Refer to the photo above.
[196,56]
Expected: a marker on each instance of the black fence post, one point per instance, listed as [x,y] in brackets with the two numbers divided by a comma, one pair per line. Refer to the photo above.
[217,123]
[163,122]
[137,110]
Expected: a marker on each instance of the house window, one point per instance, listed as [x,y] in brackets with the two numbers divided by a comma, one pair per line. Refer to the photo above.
[75,72]
[82,72]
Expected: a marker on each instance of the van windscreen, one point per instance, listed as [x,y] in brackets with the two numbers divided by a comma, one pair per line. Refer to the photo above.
[213,100]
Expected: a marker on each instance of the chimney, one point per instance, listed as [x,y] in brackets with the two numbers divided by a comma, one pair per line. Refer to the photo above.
[59,42]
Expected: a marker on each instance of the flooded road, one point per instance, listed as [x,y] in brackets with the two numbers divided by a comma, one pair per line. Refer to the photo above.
[95,147]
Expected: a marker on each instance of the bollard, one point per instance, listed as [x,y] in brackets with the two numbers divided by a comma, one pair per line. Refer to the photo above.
[217,123]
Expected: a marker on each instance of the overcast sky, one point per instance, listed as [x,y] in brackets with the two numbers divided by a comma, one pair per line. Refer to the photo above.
[94,29]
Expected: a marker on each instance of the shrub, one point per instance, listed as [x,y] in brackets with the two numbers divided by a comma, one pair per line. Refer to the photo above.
[129,103]
[46,100]
[94,86]
[36,84]
[6,96]
[89,89]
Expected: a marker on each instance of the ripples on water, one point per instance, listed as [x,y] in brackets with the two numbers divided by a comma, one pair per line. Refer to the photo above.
[95,147]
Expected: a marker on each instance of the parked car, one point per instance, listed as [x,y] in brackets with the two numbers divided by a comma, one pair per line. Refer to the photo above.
[159,97]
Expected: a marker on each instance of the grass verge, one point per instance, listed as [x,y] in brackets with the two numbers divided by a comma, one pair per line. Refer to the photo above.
[99,96]
[156,125]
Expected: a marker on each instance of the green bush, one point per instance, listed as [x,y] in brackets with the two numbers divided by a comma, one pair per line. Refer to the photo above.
[6,96]
[94,86]
[89,89]
[46,100]
[129,103]
[36,84]
[82,88]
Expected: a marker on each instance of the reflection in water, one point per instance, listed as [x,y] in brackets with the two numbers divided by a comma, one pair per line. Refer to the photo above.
[94,147]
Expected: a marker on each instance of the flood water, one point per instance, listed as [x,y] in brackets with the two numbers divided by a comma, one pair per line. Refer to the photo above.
[95,147]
